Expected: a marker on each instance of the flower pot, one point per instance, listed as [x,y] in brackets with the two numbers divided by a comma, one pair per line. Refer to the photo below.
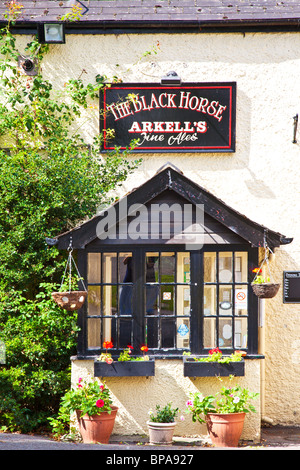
[161,433]
[265,290]
[225,429]
[125,369]
[192,368]
[70,300]
[97,428]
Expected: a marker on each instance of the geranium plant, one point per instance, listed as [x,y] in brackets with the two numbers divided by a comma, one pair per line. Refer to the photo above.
[216,355]
[259,279]
[106,357]
[125,355]
[233,399]
[91,398]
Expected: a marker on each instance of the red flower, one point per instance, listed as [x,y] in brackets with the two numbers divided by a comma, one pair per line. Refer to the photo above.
[256,270]
[215,351]
[144,348]
[108,345]
[129,346]
[100,403]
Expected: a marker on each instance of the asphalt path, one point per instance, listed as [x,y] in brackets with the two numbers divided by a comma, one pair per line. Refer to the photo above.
[273,438]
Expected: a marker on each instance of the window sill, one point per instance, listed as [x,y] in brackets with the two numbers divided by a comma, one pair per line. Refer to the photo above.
[125,369]
[192,368]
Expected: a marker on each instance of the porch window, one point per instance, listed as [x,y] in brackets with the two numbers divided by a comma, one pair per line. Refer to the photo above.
[110,299]
[171,300]
[225,300]
[167,300]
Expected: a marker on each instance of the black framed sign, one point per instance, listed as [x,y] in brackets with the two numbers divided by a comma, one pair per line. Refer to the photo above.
[193,117]
[291,287]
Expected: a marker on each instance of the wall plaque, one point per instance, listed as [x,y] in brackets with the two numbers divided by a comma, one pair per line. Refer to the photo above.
[196,117]
[291,287]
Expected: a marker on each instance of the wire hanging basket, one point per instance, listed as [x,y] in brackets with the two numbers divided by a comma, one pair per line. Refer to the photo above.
[70,300]
[261,288]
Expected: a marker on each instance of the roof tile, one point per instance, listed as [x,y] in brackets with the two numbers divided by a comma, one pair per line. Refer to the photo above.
[159,11]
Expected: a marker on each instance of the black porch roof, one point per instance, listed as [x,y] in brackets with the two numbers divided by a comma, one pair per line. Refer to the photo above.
[168,178]
[104,15]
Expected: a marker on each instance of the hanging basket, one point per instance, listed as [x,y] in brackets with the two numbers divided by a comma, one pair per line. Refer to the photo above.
[72,300]
[265,290]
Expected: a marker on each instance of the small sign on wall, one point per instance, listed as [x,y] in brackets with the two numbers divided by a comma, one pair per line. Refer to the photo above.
[197,117]
[291,287]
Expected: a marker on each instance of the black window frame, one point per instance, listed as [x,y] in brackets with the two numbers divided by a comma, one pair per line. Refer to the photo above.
[196,289]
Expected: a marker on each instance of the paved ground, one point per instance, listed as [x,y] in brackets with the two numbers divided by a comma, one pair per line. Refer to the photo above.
[273,438]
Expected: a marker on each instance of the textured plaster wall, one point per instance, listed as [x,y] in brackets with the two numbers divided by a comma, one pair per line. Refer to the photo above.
[135,396]
[260,180]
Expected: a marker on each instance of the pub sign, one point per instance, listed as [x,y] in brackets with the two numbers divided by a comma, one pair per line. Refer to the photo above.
[195,117]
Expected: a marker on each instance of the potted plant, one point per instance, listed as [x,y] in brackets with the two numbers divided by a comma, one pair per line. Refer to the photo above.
[93,406]
[263,287]
[224,413]
[125,365]
[162,424]
[214,364]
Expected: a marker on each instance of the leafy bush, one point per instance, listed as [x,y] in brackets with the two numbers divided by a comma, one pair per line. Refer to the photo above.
[50,180]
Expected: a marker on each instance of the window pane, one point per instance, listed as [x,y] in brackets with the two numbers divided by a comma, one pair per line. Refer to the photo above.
[225,300]
[183,267]
[125,267]
[152,300]
[110,268]
[183,300]
[240,333]
[167,333]
[94,300]
[167,267]
[241,267]
[225,267]
[94,268]
[209,333]
[94,333]
[109,330]
[167,300]
[225,333]
[152,267]
[125,303]
[183,332]
[210,300]
[151,333]
[241,300]
[125,332]
[210,267]
[110,300]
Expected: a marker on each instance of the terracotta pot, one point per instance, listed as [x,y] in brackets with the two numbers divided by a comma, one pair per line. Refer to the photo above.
[97,428]
[225,429]
[161,433]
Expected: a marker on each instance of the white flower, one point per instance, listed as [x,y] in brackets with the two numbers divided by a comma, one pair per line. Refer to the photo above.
[236,400]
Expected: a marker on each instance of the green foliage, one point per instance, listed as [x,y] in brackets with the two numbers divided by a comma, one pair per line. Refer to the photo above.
[215,355]
[233,399]
[51,179]
[165,415]
[39,339]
